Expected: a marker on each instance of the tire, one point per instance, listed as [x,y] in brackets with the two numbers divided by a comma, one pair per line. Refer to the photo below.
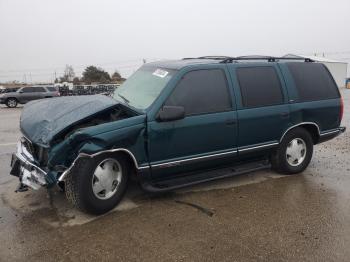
[85,191]
[11,102]
[294,152]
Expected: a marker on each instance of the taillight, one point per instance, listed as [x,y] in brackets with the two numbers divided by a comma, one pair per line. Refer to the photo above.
[341,108]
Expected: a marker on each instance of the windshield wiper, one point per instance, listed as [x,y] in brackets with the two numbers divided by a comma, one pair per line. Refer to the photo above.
[125,100]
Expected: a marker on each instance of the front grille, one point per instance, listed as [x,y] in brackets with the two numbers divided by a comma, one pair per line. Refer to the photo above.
[39,153]
[28,145]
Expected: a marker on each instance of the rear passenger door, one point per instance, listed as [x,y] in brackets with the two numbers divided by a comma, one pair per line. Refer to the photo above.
[38,92]
[207,136]
[262,106]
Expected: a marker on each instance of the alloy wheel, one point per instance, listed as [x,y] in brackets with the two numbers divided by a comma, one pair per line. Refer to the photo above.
[106,178]
[296,152]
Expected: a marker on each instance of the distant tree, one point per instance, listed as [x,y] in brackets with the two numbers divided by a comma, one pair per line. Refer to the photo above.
[116,76]
[103,80]
[63,79]
[56,81]
[94,74]
[76,81]
[69,73]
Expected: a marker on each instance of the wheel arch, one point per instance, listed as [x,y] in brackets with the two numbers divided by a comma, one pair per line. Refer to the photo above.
[122,151]
[311,127]
[12,97]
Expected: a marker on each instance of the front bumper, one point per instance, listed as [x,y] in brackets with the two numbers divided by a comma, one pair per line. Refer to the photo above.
[24,167]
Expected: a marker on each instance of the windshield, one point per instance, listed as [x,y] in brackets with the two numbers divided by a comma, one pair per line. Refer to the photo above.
[143,87]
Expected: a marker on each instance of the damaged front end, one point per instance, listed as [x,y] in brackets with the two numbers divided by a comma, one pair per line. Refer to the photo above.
[24,166]
[43,159]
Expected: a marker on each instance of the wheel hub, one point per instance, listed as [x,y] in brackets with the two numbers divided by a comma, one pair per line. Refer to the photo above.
[106,178]
[296,152]
[12,103]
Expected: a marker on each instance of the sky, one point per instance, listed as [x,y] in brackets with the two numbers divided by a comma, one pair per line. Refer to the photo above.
[39,37]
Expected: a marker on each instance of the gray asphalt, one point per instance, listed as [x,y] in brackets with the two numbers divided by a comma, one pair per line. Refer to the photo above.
[261,216]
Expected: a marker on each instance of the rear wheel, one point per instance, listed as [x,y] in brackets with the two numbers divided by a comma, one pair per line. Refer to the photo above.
[11,102]
[97,185]
[294,153]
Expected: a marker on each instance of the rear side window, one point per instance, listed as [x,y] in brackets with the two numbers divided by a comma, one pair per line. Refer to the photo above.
[260,86]
[313,81]
[38,89]
[202,91]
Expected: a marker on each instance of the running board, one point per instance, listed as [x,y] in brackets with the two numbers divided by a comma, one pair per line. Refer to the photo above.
[206,176]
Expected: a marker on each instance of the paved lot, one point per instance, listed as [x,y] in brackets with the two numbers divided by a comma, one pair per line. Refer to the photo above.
[256,217]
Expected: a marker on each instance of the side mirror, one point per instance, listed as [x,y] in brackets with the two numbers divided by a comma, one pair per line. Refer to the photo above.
[170,113]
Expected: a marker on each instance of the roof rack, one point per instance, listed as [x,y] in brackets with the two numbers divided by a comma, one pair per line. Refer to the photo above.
[228,59]
[214,57]
[268,58]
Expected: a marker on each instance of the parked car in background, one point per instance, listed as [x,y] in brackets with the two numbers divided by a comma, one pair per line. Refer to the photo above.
[347,83]
[179,123]
[12,98]
[8,89]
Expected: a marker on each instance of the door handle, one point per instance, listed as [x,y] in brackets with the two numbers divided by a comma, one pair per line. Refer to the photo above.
[284,114]
[230,122]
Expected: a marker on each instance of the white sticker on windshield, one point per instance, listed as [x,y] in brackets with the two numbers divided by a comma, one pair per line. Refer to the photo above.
[160,73]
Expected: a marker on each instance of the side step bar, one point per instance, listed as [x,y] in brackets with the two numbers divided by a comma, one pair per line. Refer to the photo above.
[205,176]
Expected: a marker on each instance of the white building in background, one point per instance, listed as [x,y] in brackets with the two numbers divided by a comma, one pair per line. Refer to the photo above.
[337,68]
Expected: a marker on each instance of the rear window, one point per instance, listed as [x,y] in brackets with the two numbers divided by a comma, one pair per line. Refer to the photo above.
[260,86]
[51,88]
[313,81]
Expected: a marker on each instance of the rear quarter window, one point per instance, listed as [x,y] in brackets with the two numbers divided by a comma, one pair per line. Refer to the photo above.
[313,81]
[51,88]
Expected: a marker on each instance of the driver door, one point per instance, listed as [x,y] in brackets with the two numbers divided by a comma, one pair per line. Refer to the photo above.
[206,137]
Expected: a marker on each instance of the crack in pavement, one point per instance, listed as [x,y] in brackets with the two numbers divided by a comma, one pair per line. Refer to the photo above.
[200,208]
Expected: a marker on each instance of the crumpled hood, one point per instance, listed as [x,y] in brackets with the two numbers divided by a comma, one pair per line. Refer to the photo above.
[41,120]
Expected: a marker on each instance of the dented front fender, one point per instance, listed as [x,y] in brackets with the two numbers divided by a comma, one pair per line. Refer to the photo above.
[128,136]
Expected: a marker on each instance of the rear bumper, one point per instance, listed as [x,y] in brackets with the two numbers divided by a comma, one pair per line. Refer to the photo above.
[23,166]
[330,134]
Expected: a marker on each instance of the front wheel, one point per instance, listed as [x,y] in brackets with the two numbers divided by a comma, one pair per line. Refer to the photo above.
[11,102]
[294,152]
[97,185]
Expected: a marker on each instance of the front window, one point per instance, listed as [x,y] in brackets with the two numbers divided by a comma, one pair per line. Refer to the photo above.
[143,87]
[202,92]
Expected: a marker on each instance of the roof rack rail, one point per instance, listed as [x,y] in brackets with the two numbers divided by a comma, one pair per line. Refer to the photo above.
[215,57]
[268,58]
[229,59]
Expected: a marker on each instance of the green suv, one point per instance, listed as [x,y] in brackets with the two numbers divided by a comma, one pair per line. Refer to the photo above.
[178,123]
